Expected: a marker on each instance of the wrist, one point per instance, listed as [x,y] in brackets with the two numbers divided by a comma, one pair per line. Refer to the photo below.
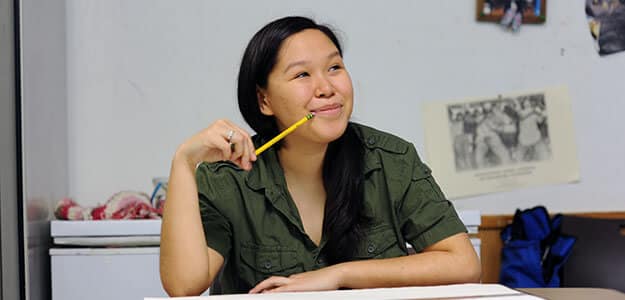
[181,158]
[342,274]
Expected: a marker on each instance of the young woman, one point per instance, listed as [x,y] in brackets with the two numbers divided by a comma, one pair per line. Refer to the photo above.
[331,206]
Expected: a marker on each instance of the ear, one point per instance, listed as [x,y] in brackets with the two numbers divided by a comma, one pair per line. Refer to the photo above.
[263,102]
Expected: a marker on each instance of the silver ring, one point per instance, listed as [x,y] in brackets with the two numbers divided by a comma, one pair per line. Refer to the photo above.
[230,135]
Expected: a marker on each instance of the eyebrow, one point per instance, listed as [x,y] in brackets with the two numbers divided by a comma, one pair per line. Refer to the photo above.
[303,62]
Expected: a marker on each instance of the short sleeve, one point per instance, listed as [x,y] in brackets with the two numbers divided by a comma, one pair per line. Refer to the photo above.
[217,228]
[425,215]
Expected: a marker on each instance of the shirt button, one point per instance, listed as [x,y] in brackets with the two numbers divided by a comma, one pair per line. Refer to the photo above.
[371,248]
[371,141]
[320,261]
[267,265]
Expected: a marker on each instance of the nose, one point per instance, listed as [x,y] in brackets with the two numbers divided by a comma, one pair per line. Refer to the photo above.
[324,88]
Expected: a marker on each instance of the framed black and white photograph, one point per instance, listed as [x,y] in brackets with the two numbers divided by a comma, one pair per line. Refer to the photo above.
[501,142]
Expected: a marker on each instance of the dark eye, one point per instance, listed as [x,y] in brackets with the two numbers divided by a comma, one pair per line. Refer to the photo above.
[301,75]
[335,67]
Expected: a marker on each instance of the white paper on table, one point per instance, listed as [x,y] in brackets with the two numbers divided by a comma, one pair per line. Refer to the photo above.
[456,291]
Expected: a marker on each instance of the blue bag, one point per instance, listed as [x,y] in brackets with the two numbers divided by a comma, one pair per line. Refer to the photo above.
[533,250]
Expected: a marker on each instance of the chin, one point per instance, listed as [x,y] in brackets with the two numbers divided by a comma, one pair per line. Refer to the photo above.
[330,131]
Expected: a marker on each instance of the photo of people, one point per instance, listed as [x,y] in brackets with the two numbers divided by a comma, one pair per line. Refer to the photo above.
[606,19]
[503,142]
[499,132]
[511,13]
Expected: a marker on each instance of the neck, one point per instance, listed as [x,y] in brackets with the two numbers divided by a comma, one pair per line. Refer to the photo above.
[302,161]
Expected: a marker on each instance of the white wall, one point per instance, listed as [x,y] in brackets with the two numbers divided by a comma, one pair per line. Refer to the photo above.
[44,132]
[144,75]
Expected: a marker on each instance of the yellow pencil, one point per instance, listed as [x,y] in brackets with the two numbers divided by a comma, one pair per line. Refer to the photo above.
[284,133]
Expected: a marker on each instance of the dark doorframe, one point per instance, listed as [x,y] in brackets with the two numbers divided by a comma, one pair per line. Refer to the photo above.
[11,226]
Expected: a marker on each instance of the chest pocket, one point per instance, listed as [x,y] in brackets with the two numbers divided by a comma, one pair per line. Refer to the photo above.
[379,242]
[260,262]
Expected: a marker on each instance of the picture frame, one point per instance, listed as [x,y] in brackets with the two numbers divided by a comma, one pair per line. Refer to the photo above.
[534,12]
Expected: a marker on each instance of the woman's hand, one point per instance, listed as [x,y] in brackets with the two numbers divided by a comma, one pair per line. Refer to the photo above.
[325,279]
[222,140]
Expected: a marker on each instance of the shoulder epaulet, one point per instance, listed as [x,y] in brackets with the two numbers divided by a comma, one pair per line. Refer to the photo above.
[373,138]
[216,166]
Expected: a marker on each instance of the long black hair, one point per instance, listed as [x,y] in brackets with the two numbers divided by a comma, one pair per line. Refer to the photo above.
[342,166]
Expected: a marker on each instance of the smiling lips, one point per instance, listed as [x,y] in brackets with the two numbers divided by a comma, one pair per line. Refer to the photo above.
[328,110]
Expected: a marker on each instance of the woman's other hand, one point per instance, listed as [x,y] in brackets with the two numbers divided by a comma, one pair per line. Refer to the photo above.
[325,279]
[222,140]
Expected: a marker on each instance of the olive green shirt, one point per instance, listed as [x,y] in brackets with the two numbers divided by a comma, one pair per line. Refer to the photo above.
[251,220]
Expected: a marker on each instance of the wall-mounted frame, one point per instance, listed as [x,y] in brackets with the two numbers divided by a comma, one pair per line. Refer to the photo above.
[535,11]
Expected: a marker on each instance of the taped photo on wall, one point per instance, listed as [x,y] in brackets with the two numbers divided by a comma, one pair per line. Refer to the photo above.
[500,143]
[500,131]
[606,20]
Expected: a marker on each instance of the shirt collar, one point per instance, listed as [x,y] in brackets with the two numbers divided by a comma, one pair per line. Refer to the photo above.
[267,173]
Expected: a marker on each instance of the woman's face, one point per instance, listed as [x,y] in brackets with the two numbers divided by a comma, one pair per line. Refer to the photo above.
[309,76]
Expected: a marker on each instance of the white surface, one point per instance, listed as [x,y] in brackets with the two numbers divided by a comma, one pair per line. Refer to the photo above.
[61,228]
[105,275]
[104,251]
[145,75]
[109,241]
[477,244]
[459,291]
[470,218]
[106,233]
[472,229]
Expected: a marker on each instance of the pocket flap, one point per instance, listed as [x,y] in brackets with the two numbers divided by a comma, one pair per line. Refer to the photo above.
[268,259]
[376,240]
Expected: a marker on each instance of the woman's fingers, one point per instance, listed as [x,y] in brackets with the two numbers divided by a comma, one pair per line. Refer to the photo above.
[238,148]
[222,140]
[235,144]
[247,164]
[242,147]
[269,283]
[224,147]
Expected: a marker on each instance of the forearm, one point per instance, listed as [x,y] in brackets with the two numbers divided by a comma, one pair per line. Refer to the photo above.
[184,261]
[427,268]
